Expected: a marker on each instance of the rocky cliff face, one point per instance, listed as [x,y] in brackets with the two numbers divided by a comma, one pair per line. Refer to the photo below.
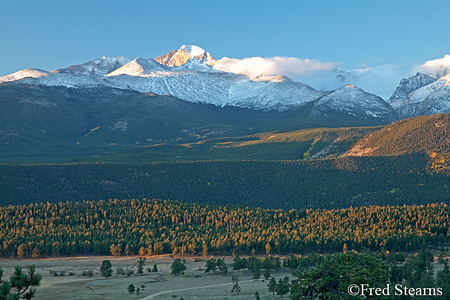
[165,58]
[407,86]
[428,99]
[181,56]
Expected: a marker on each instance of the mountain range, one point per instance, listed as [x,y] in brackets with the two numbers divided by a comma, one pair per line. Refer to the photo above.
[192,74]
[110,104]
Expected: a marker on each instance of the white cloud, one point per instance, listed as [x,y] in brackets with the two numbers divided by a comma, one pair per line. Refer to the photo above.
[436,67]
[289,66]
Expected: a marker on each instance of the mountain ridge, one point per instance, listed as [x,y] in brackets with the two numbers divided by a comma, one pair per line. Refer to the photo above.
[428,135]
[192,74]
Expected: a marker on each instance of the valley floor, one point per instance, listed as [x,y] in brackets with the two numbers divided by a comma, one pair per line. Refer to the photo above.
[195,284]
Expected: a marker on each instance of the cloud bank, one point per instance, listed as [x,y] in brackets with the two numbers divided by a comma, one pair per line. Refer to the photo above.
[380,80]
[289,66]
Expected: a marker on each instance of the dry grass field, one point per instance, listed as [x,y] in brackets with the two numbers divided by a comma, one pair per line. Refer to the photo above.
[194,284]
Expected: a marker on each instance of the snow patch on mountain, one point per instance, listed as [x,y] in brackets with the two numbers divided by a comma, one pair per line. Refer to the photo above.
[66,80]
[354,101]
[191,86]
[196,65]
[267,94]
[221,88]
[274,78]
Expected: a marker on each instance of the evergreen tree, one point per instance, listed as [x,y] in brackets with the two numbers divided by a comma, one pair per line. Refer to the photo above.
[277,264]
[256,275]
[238,263]
[211,265]
[140,265]
[106,269]
[272,285]
[418,269]
[178,267]
[282,287]
[224,269]
[131,288]
[396,274]
[336,272]
[266,274]
[443,281]
[20,285]
[257,296]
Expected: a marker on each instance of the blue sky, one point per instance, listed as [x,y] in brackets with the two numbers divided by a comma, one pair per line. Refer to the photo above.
[351,34]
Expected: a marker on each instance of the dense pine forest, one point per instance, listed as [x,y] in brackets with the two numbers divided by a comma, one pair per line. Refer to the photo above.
[326,184]
[150,227]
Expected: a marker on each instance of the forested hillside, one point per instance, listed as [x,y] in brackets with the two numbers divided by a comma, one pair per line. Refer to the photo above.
[331,183]
[291,145]
[154,227]
[426,134]
[270,170]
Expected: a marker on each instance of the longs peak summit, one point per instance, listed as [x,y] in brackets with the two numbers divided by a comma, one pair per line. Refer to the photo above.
[181,56]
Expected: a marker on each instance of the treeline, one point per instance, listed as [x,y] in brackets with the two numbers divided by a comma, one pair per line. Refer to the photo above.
[151,227]
[325,184]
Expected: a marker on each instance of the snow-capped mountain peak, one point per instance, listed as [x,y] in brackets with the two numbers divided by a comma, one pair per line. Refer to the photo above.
[428,99]
[22,74]
[97,67]
[194,51]
[409,85]
[352,100]
[184,54]
[139,67]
